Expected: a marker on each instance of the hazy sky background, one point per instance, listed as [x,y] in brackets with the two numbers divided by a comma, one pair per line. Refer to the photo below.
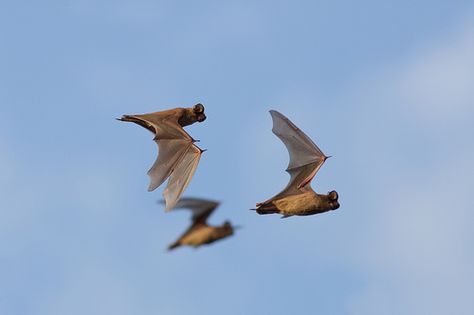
[386,88]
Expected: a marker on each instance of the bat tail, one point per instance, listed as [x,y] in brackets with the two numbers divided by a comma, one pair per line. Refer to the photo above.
[173,246]
[267,208]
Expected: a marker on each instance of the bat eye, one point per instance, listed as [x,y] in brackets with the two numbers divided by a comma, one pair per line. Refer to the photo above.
[333,196]
[198,108]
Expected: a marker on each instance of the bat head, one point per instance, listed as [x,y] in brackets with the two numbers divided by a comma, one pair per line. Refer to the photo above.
[198,111]
[333,197]
[227,228]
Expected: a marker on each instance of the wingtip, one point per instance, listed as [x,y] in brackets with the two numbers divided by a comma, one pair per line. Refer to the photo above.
[274,112]
[169,206]
[152,187]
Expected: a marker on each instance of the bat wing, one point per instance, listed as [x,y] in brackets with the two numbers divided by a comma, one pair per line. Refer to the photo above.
[305,156]
[201,208]
[170,153]
[181,176]
[178,155]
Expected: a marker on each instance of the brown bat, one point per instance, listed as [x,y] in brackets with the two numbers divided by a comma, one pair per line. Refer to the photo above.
[178,156]
[298,198]
[200,233]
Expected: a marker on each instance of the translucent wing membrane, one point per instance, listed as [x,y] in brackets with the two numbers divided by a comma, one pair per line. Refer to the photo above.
[305,156]
[181,176]
[301,148]
[170,153]
[177,157]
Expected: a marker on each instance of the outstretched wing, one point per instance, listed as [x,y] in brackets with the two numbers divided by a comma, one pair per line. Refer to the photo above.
[201,208]
[178,156]
[181,176]
[173,145]
[305,156]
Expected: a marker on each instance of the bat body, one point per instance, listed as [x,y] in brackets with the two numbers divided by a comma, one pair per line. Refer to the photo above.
[200,233]
[178,155]
[298,198]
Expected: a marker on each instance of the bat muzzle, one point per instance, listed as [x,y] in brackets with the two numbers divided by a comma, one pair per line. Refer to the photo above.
[201,117]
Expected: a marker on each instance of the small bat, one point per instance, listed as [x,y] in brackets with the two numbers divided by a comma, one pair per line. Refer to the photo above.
[298,198]
[178,156]
[200,233]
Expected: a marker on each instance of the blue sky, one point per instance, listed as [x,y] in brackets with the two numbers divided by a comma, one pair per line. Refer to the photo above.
[385,88]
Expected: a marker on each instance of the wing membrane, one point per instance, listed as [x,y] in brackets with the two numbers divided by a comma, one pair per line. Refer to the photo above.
[170,153]
[181,176]
[305,156]
[201,208]
[177,158]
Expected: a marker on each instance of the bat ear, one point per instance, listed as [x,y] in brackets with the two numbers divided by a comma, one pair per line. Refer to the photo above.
[198,108]
[333,196]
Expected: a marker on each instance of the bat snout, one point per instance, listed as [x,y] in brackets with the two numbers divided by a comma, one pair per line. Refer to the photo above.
[201,117]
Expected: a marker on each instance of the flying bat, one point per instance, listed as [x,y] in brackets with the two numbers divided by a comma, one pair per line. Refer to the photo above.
[178,156]
[200,233]
[298,198]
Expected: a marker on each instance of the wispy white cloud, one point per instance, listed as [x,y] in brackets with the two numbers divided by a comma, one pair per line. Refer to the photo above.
[439,82]
[435,82]
[416,254]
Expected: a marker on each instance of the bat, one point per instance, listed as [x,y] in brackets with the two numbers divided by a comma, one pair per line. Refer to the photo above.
[200,233]
[298,198]
[178,155]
